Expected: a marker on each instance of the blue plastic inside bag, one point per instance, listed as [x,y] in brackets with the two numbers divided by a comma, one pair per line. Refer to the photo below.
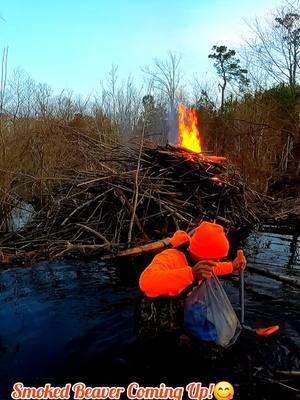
[197,323]
[209,316]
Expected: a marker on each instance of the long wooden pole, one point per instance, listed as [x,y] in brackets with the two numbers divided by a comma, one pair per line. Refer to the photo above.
[147,248]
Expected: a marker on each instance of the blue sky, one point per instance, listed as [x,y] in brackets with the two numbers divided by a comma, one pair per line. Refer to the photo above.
[72,44]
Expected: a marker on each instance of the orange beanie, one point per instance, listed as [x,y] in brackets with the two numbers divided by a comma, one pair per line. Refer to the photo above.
[209,241]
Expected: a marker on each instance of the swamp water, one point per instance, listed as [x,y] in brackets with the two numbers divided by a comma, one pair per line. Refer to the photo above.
[65,322]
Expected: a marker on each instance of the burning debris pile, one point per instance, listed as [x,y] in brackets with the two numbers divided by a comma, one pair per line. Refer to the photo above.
[133,195]
[138,196]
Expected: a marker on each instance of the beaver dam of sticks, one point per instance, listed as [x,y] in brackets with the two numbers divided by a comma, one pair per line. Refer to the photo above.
[132,196]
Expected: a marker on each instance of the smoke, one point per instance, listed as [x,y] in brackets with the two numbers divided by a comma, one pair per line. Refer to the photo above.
[173,126]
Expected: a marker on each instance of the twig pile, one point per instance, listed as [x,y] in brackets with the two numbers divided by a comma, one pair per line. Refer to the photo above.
[93,211]
[286,210]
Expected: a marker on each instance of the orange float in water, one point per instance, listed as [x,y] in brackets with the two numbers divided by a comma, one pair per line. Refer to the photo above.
[267,331]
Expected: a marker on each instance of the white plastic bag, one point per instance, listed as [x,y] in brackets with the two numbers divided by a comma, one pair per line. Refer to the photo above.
[209,315]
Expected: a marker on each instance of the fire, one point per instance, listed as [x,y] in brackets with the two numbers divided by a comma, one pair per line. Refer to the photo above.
[189,135]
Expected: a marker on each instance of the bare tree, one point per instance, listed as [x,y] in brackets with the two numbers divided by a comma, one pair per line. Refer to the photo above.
[43,101]
[203,92]
[121,101]
[275,45]
[20,97]
[274,49]
[64,106]
[3,77]
[109,93]
[166,76]
[2,96]
[258,77]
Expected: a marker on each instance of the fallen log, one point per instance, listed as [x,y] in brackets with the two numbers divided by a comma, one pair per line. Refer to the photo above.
[136,251]
[146,248]
[289,373]
[278,277]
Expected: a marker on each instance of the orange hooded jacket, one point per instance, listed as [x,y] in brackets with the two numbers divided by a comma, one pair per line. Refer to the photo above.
[169,273]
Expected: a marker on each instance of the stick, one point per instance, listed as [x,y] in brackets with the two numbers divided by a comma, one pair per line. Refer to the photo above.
[136,187]
[133,213]
[147,248]
[219,203]
[150,247]
[282,384]
[71,248]
[242,296]
[95,233]
[289,373]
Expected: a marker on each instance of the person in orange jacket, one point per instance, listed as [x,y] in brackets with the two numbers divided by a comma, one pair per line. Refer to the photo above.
[173,271]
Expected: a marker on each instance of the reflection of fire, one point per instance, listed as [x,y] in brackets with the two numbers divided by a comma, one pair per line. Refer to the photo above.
[189,134]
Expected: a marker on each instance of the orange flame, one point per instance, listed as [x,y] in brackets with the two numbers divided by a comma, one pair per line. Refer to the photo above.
[189,135]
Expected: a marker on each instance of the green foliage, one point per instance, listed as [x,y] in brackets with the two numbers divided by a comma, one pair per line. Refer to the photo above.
[229,70]
[228,66]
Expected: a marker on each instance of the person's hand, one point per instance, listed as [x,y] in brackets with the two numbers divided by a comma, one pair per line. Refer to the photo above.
[203,269]
[240,262]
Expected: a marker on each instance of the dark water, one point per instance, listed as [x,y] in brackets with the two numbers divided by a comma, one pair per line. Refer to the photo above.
[281,303]
[68,322]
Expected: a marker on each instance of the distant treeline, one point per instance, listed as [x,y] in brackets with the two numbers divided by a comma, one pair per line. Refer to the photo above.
[249,112]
